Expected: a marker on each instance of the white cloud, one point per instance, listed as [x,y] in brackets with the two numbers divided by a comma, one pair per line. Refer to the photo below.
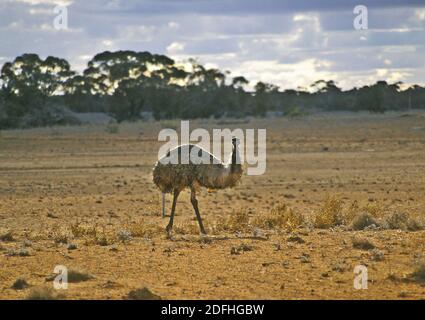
[107,43]
[290,47]
[175,47]
[45,2]
[173,25]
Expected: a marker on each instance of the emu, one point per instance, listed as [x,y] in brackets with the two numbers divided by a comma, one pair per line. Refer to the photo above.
[173,178]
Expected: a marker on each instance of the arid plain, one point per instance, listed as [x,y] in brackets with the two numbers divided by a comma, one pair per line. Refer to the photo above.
[83,197]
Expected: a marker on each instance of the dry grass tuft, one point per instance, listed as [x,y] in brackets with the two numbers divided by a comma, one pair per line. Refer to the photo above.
[144,230]
[238,221]
[80,230]
[281,217]
[187,228]
[331,214]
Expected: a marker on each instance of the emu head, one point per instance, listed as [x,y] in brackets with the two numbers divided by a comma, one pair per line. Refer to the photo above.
[235,142]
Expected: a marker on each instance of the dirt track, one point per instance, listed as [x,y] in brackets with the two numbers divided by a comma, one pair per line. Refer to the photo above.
[83,186]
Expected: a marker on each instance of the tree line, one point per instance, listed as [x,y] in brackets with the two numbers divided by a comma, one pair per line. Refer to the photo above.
[128,85]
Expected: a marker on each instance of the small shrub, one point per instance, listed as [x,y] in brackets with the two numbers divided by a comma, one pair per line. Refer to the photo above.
[362,221]
[397,220]
[362,243]
[124,236]
[418,274]
[112,128]
[330,214]
[20,284]
[294,112]
[7,236]
[142,294]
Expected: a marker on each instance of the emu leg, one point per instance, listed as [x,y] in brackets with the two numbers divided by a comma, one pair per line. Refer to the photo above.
[173,208]
[195,206]
[163,205]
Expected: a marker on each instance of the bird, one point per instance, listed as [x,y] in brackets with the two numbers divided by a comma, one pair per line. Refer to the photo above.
[174,178]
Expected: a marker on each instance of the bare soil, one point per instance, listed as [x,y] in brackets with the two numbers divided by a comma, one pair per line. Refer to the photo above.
[83,197]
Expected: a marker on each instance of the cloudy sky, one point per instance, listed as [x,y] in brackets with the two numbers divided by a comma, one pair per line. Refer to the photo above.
[289,43]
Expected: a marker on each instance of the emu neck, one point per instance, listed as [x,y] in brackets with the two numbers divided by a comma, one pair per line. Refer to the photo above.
[235,164]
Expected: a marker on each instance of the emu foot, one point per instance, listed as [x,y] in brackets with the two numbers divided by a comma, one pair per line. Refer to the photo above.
[169,230]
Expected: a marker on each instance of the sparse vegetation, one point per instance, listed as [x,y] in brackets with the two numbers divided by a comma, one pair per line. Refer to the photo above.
[91,209]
